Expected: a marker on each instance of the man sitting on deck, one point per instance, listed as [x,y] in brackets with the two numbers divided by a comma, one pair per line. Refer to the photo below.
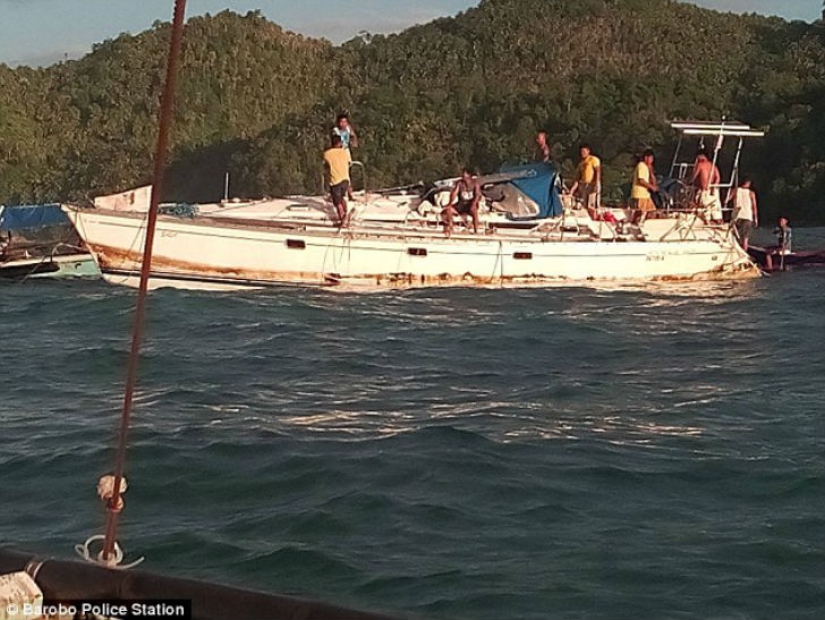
[464,201]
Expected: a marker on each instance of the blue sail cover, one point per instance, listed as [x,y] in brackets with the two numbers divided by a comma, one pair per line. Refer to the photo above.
[22,217]
[541,183]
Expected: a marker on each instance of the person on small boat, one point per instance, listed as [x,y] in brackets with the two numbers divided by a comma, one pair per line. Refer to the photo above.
[706,181]
[644,182]
[542,147]
[464,201]
[588,182]
[784,238]
[745,212]
[337,160]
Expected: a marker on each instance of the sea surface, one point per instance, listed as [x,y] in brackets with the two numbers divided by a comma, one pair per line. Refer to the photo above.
[653,452]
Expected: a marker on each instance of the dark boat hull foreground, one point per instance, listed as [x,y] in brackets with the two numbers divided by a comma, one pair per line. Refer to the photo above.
[67,581]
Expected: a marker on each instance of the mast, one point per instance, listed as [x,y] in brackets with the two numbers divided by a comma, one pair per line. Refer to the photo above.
[114,503]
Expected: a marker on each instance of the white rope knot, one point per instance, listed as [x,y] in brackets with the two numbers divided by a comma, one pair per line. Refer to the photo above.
[85,552]
[106,491]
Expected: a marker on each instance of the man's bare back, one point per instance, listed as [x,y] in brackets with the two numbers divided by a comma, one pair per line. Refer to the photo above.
[705,174]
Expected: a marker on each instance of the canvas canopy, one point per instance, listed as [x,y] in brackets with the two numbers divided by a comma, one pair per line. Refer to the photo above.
[23,217]
[541,183]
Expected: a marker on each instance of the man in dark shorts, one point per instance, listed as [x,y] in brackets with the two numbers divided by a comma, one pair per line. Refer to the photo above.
[337,160]
[464,201]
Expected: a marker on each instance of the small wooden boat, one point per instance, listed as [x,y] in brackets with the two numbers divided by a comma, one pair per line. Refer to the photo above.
[772,259]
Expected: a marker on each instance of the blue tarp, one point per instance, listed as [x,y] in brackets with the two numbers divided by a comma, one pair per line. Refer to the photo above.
[541,183]
[22,217]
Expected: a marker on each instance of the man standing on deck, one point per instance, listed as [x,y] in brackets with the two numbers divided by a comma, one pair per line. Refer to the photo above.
[706,180]
[644,182]
[587,185]
[345,131]
[745,213]
[337,160]
[542,148]
[349,138]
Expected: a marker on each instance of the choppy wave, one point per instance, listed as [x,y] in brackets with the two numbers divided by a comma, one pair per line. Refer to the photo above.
[653,452]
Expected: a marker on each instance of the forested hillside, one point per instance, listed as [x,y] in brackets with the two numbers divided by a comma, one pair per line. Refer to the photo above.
[258,101]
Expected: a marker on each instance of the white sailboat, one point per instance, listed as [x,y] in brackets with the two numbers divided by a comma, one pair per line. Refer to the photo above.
[530,236]
[205,252]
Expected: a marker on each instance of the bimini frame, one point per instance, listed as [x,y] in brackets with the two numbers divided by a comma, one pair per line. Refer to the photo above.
[682,169]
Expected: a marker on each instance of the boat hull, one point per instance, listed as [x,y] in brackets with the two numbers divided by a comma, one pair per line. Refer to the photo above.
[204,253]
[772,260]
[62,266]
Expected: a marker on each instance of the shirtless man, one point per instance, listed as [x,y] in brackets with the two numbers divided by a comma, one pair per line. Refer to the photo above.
[706,180]
[543,149]
[464,201]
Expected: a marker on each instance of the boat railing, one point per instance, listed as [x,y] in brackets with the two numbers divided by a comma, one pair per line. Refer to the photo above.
[359,165]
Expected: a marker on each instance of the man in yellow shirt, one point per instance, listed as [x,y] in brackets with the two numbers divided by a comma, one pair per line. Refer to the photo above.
[644,182]
[337,160]
[587,185]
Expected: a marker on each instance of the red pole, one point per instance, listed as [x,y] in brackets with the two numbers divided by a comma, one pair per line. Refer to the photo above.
[165,115]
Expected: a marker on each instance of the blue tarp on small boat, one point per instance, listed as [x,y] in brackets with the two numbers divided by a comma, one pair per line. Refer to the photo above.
[22,217]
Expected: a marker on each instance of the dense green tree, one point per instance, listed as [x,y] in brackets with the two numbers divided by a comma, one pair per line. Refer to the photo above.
[257,102]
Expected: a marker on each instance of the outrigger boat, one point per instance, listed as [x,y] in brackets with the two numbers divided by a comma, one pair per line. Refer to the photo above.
[37,241]
[531,236]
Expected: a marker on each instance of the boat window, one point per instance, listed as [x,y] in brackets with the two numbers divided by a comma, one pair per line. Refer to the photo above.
[296,244]
[417,251]
[522,255]
[511,200]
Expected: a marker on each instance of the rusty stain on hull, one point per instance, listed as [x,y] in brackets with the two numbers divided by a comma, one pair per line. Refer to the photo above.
[115,260]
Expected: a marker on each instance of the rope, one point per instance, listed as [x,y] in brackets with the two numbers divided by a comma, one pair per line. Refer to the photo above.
[114,561]
[33,567]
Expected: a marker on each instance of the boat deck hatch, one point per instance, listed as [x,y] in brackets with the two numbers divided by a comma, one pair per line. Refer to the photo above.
[417,251]
[296,244]
[522,255]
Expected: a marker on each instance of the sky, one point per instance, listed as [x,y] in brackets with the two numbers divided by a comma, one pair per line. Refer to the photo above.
[40,32]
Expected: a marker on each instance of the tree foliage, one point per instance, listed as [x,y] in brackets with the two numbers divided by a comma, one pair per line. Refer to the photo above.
[258,102]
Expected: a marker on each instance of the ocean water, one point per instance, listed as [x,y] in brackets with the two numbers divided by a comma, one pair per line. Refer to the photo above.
[568,453]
